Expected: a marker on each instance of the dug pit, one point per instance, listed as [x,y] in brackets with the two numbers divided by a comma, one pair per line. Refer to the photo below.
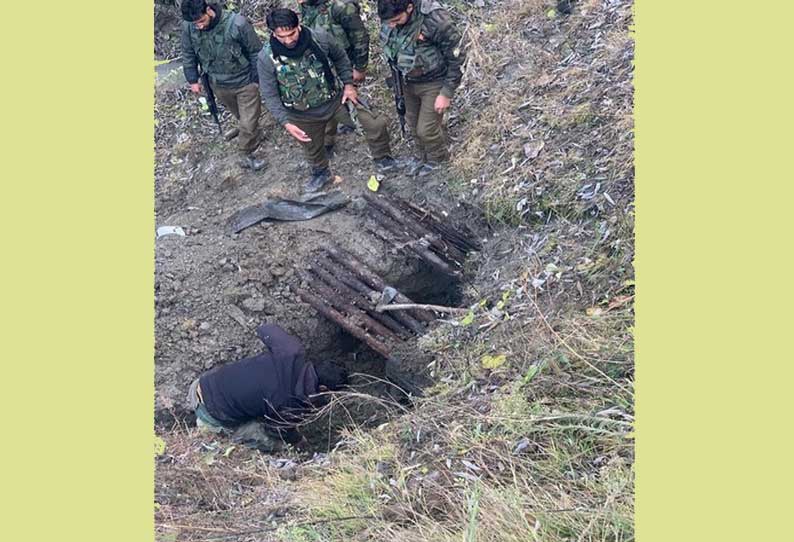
[322,280]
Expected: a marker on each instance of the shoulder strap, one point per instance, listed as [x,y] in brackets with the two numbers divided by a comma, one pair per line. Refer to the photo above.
[317,50]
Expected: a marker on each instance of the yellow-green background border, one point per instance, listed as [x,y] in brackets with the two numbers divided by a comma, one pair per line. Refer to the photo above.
[713,126]
[78,262]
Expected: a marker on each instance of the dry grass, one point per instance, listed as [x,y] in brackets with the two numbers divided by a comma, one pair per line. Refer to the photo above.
[563,82]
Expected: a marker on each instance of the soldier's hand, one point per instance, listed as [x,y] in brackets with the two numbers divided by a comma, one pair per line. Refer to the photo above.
[350,93]
[195,87]
[297,133]
[442,104]
[359,76]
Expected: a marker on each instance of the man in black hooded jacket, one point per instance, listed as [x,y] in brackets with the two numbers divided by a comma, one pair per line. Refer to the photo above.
[253,398]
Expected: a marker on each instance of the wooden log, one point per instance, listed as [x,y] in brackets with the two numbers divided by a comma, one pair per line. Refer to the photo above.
[447,250]
[340,320]
[416,246]
[356,314]
[360,300]
[372,279]
[348,278]
[464,241]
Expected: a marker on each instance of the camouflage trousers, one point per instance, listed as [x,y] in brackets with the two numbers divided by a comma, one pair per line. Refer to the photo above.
[252,434]
[323,133]
[426,125]
[245,105]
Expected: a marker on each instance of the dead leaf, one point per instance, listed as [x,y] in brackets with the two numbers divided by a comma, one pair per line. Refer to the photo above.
[619,301]
[594,311]
[533,148]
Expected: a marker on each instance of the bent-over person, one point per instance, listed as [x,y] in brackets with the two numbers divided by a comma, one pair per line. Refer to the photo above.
[253,399]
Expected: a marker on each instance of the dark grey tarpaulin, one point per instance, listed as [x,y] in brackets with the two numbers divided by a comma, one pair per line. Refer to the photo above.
[304,208]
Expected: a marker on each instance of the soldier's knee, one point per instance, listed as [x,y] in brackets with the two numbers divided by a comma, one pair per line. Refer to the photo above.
[428,132]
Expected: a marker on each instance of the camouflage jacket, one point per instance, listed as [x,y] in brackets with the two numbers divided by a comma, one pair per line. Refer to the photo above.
[227,51]
[427,47]
[297,86]
[341,19]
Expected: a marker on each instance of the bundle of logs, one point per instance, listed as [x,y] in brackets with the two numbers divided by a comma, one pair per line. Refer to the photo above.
[344,290]
[347,292]
[405,225]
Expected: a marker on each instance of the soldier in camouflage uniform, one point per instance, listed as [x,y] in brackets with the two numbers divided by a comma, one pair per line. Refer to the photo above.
[299,73]
[419,37]
[225,45]
[342,20]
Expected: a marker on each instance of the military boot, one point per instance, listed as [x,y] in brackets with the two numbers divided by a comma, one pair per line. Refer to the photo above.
[387,164]
[250,161]
[318,179]
[427,168]
[411,165]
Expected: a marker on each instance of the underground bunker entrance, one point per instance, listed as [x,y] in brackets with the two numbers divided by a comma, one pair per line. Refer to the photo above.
[378,387]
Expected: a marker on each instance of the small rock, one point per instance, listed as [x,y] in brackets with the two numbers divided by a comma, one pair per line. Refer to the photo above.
[278,271]
[254,304]
[288,473]
[188,323]
[233,295]
[266,277]
[358,204]
[204,327]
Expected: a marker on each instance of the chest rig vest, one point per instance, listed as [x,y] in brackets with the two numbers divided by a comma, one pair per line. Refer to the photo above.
[302,81]
[401,45]
[319,16]
[219,53]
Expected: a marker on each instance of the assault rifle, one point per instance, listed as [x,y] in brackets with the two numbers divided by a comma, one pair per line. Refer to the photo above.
[205,81]
[397,85]
[351,109]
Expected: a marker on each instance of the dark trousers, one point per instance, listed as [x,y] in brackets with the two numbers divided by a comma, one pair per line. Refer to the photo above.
[244,103]
[323,132]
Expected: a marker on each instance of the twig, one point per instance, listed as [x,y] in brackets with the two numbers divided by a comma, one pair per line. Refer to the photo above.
[407,306]
[299,524]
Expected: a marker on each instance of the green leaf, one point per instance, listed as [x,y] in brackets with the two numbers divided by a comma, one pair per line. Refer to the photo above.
[373,183]
[531,372]
[492,362]
[468,319]
[159,446]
